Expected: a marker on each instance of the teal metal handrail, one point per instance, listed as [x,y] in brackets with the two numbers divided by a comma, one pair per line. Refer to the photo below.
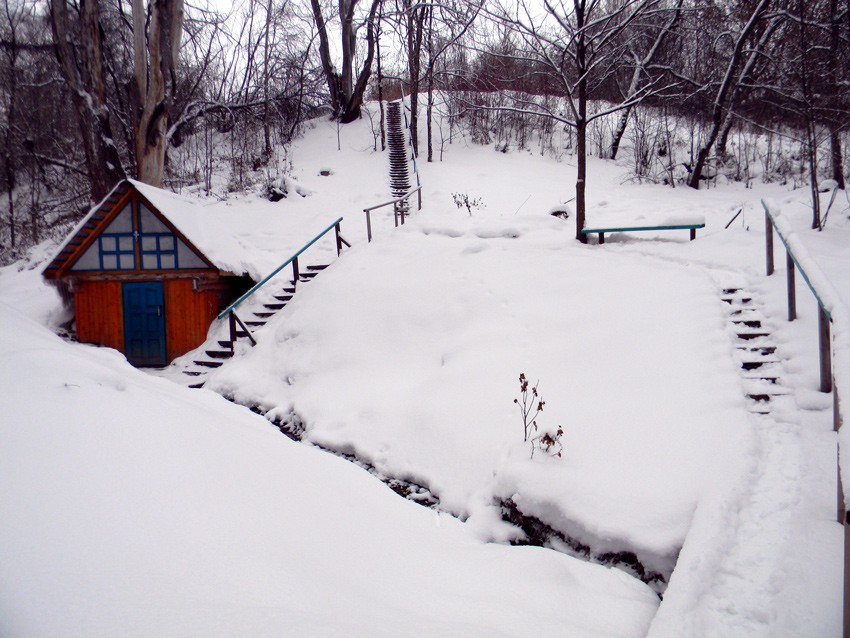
[265,280]
[398,210]
[796,261]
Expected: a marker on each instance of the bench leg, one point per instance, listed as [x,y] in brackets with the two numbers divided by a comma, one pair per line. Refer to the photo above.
[601,238]
[693,234]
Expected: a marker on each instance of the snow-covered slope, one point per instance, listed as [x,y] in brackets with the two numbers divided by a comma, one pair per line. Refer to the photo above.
[131,506]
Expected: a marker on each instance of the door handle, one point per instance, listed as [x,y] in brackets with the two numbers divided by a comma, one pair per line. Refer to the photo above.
[159,311]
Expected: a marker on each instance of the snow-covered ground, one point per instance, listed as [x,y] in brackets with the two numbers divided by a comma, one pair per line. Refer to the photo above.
[131,505]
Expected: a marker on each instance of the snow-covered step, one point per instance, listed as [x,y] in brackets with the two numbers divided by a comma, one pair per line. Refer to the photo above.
[758,361]
[207,364]
[763,387]
[734,296]
[748,313]
[747,323]
[750,334]
[746,351]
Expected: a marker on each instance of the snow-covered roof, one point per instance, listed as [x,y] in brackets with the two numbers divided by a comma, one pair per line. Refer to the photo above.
[244,236]
[214,234]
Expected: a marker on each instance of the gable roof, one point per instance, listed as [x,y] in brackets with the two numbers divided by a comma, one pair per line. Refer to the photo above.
[188,219]
[243,235]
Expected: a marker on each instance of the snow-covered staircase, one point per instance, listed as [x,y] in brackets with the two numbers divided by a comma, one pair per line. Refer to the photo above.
[755,350]
[256,307]
[397,143]
[216,351]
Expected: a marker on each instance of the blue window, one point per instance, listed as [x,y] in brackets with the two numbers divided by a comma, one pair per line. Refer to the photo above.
[159,251]
[116,251]
[158,247]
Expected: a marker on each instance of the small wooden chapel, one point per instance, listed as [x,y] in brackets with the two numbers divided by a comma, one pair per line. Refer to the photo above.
[136,282]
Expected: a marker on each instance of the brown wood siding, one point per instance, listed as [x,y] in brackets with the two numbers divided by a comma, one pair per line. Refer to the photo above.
[188,315]
[100,313]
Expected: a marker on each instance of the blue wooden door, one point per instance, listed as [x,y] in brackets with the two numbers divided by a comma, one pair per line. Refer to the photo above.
[144,323]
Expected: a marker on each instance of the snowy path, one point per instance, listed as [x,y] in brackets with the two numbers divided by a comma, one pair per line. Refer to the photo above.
[751,543]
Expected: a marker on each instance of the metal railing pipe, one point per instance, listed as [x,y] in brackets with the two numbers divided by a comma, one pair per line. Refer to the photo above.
[265,280]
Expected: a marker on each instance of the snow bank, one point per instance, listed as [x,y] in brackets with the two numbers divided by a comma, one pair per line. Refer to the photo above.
[408,352]
[132,507]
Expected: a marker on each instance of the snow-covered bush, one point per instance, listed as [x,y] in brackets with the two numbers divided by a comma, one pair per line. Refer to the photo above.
[530,405]
[463,200]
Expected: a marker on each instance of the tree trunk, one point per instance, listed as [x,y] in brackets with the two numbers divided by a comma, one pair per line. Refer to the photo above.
[11,125]
[155,58]
[349,47]
[752,57]
[811,145]
[352,108]
[640,67]
[836,156]
[622,123]
[726,86]
[415,21]
[581,121]
[331,76]
[381,78]
[838,95]
[267,138]
[82,71]
[430,81]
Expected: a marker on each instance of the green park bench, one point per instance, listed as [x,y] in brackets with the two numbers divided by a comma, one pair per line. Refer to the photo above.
[692,227]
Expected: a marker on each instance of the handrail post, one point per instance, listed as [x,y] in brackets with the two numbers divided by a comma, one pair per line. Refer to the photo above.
[846,575]
[295,273]
[825,351]
[792,290]
[368,225]
[292,260]
[395,213]
[231,319]
[768,242]
[338,241]
[419,197]
[401,207]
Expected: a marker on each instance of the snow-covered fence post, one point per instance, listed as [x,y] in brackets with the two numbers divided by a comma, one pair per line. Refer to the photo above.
[787,236]
[792,289]
[825,348]
[338,240]
[768,241]
[231,321]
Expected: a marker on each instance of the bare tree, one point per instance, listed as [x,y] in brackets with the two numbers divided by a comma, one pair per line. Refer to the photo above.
[726,90]
[642,66]
[346,93]
[575,47]
[157,28]
[79,49]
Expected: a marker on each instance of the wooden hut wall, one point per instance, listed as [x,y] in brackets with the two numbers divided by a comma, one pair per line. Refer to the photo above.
[100,313]
[188,315]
